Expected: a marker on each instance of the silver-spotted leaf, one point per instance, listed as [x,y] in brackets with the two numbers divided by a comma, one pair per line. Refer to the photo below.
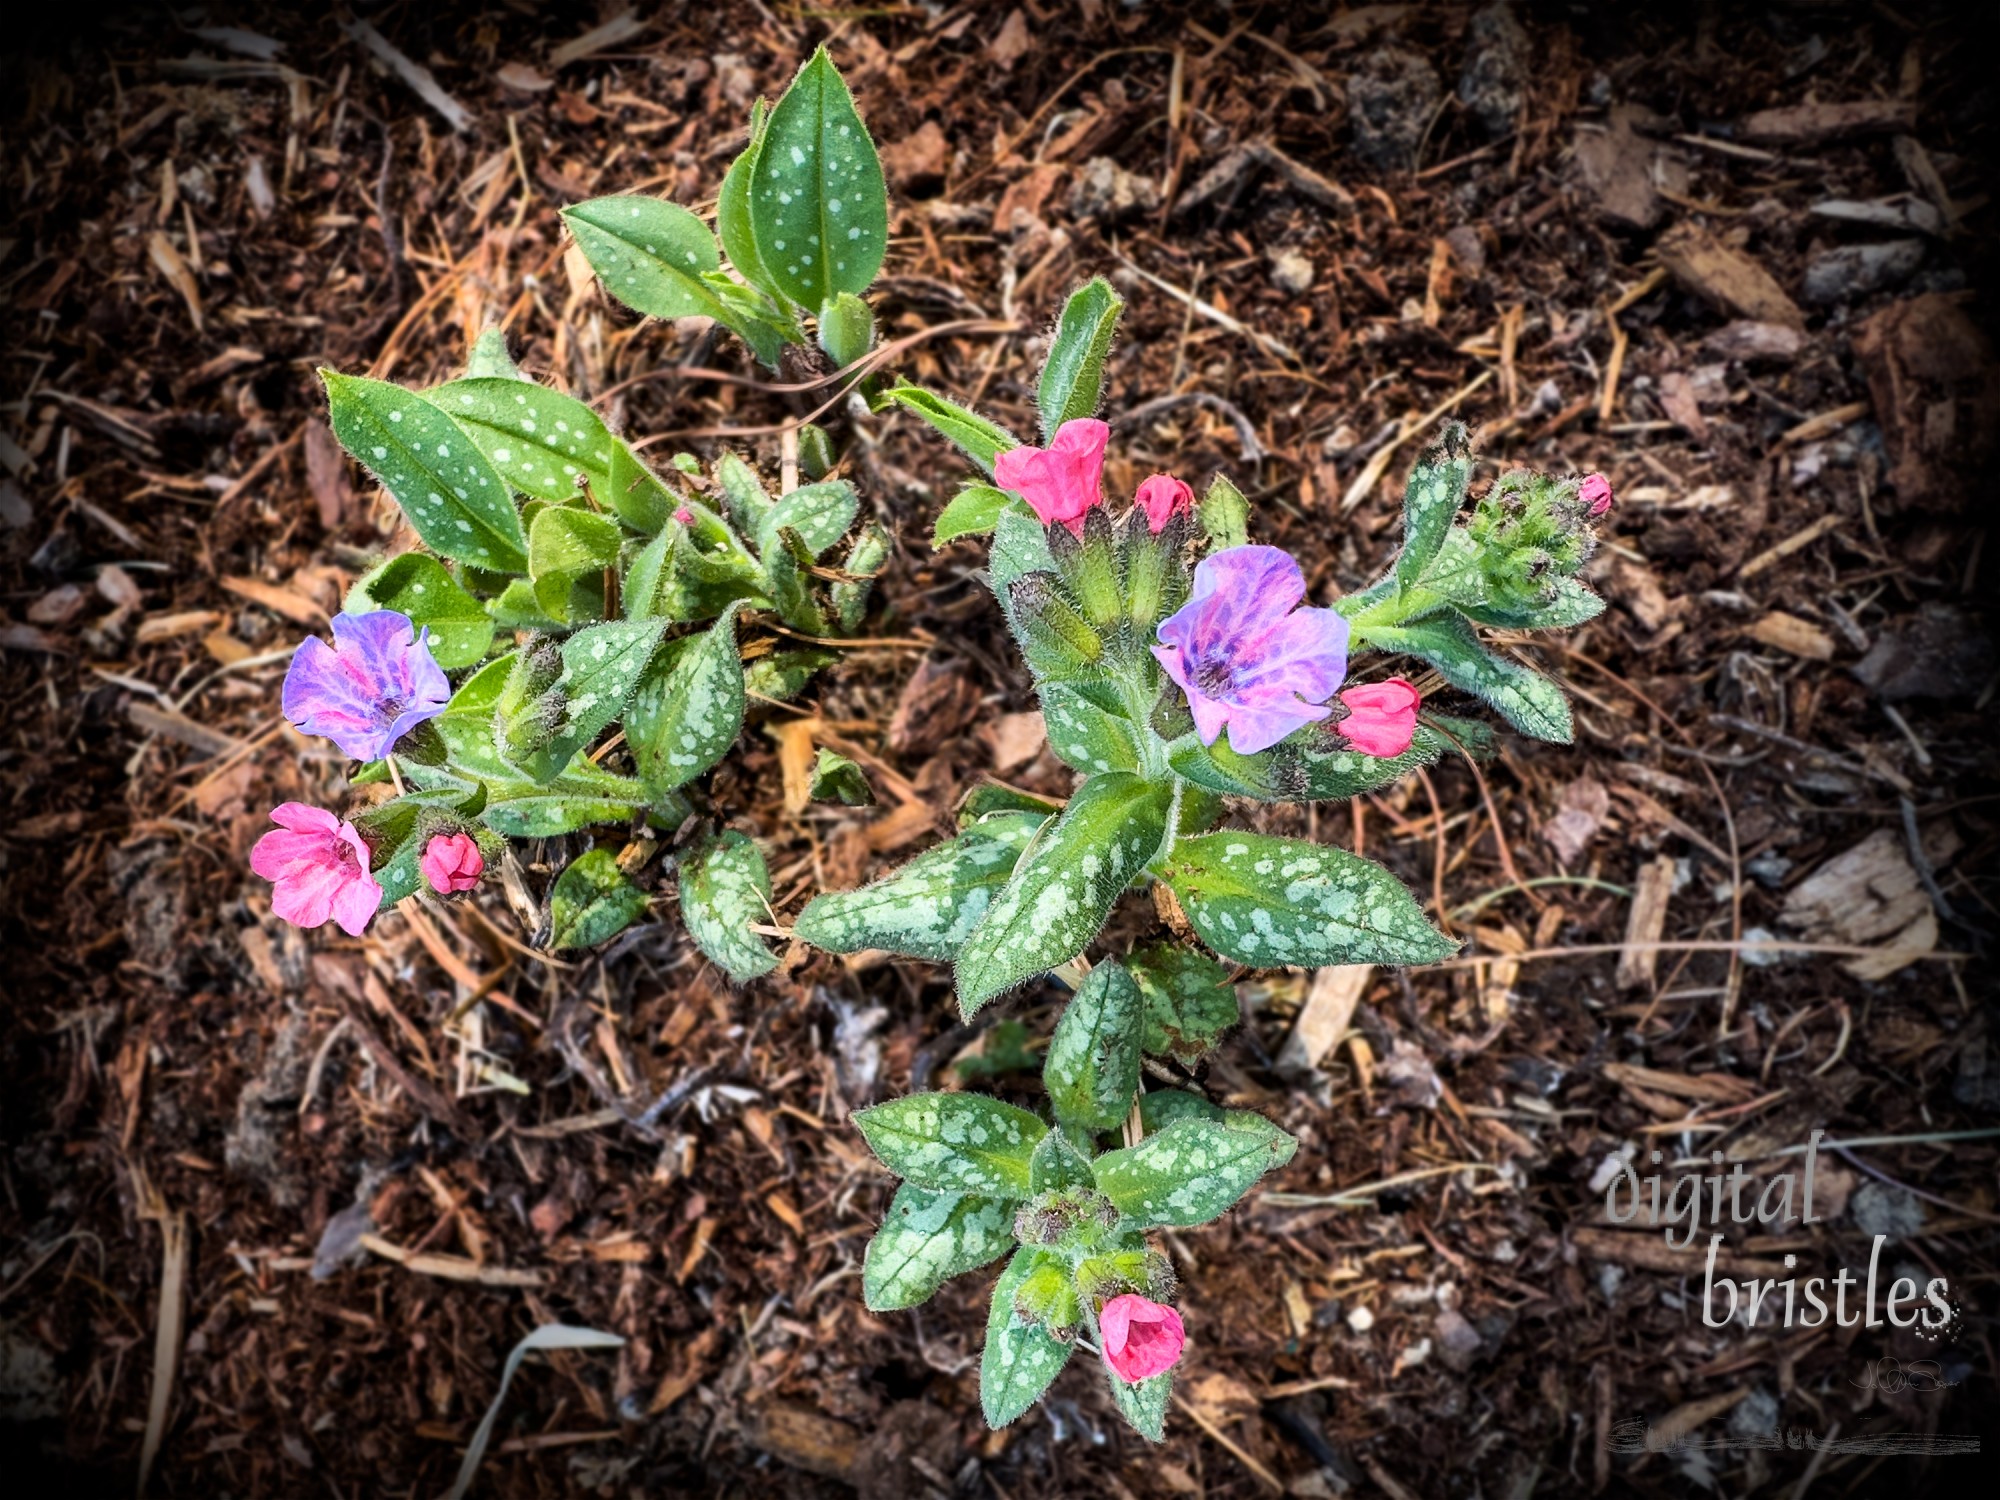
[650,254]
[928,1237]
[544,443]
[1092,1068]
[1272,902]
[1192,1171]
[724,888]
[954,1143]
[417,585]
[593,901]
[454,497]
[688,709]
[1021,1358]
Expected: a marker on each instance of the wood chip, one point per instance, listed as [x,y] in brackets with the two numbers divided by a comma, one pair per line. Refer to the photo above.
[1651,1252]
[1791,634]
[1726,277]
[1872,893]
[292,606]
[168,724]
[1330,1002]
[619,29]
[1798,541]
[1651,893]
[451,1267]
[415,74]
[1809,124]
[167,260]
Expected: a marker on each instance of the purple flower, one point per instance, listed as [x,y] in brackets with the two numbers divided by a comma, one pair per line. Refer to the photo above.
[1246,655]
[373,685]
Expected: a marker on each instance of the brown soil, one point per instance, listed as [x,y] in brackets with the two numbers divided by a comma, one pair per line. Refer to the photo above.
[1795,659]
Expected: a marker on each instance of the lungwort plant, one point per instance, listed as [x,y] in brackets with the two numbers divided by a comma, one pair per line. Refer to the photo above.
[603,605]
[1178,666]
[583,600]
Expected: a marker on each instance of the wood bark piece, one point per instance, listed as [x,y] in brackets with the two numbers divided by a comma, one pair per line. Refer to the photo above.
[1651,893]
[1809,124]
[1330,1003]
[1936,392]
[1726,277]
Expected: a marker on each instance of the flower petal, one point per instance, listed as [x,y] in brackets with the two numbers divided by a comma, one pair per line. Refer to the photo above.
[1252,730]
[1306,652]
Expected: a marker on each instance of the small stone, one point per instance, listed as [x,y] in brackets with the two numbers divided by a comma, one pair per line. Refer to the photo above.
[1493,85]
[1106,193]
[1878,1208]
[1755,1415]
[1468,247]
[1391,97]
[1856,270]
[1750,341]
[1292,272]
[1361,1320]
[1458,1341]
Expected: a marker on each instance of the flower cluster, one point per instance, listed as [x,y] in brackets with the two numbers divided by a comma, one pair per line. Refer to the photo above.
[377,683]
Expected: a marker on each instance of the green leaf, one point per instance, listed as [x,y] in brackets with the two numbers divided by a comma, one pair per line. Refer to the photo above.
[846,329]
[819,513]
[1189,1001]
[817,455]
[928,1237]
[568,804]
[954,1143]
[926,908]
[1159,1108]
[1086,736]
[743,494]
[1021,1358]
[1143,1403]
[819,209]
[417,585]
[750,315]
[543,443]
[593,901]
[402,873]
[635,492]
[517,608]
[998,797]
[1573,605]
[835,778]
[489,357]
[454,498]
[1296,770]
[788,579]
[1272,902]
[650,255]
[1224,515]
[567,546]
[866,558]
[693,572]
[1058,1165]
[784,674]
[1431,499]
[1064,889]
[732,209]
[687,711]
[602,666]
[980,440]
[1092,1068]
[1522,696]
[724,888]
[1072,383]
[1192,1171]
[973,511]
[1020,547]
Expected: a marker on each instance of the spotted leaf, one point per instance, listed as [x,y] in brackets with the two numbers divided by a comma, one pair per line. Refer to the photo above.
[1192,1171]
[544,443]
[688,708]
[928,1237]
[725,887]
[1272,902]
[1021,1358]
[954,1143]
[455,499]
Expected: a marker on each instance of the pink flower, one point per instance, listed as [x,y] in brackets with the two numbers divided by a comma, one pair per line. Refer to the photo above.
[1162,498]
[1060,482]
[318,868]
[1595,493]
[1381,717]
[1245,653]
[452,862]
[1141,1338]
[683,515]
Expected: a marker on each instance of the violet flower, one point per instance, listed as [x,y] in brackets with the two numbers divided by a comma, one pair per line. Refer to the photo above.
[1142,1338]
[373,685]
[1246,655]
[318,867]
[1062,481]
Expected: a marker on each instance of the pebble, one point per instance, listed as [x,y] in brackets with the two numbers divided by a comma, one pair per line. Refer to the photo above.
[1292,272]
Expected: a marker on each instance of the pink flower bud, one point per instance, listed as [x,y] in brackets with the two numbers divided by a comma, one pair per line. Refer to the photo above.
[1060,482]
[318,868]
[452,862]
[1381,717]
[685,516]
[1162,498]
[1595,493]
[1141,1338]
